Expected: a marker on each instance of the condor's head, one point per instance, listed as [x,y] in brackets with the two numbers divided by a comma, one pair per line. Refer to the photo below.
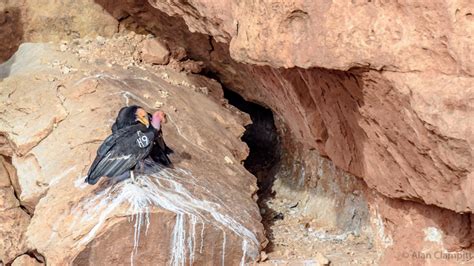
[142,117]
[158,118]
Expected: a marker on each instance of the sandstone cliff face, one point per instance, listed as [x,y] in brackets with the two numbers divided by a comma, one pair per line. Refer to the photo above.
[201,211]
[383,89]
[380,125]
[405,128]
[45,21]
[403,36]
[371,128]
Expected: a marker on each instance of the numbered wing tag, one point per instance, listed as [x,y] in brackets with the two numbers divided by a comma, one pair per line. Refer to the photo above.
[142,140]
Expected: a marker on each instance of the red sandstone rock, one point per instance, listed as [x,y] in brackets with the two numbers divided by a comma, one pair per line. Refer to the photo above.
[401,118]
[406,36]
[13,225]
[13,220]
[408,230]
[178,53]
[383,126]
[154,51]
[403,122]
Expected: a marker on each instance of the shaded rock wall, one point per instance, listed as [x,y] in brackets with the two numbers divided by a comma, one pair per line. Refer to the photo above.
[11,29]
[408,229]
[372,129]
[329,197]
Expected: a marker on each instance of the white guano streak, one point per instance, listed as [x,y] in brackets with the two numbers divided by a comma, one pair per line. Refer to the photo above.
[164,190]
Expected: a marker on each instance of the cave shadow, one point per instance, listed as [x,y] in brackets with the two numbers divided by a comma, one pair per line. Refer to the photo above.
[263,141]
[11,34]
[330,100]
[325,105]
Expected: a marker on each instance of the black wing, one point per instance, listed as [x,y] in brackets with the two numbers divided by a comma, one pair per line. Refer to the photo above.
[121,152]
[125,117]
[160,151]
[106,145]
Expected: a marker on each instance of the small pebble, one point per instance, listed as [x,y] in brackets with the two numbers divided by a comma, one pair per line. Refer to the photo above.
[279,216]
[263,256]
[65,70]
[63,47]
[164,76]
[228,160]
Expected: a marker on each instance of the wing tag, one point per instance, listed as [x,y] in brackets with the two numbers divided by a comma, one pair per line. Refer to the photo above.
[142,140]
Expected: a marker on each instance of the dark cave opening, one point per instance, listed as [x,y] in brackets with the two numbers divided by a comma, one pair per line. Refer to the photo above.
[263,141]
[261,137]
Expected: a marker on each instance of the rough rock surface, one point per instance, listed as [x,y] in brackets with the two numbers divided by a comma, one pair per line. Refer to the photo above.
[317,210]
[373,129]
[398,111]
[413,233]
[25,260]
[388,127]
[13,220]
[330,199]
[201,210]
[403,36]
[154,52]
[45,21]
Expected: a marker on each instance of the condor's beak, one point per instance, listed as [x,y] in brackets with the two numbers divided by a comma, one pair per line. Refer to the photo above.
[144,120]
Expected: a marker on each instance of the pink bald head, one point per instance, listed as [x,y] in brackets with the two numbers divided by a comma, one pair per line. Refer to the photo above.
[157,119]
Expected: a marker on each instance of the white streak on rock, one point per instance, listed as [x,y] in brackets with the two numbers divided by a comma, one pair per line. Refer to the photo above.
[80,182]
[164,189]
[102,218]
[192,239]
[202,237]
[147,212]
[178,251]
[96,76]
[244,251]
[56,179]
[223,248]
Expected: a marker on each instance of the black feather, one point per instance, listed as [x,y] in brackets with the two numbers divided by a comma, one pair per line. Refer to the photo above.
[125,117]
[121,151]
[160,151]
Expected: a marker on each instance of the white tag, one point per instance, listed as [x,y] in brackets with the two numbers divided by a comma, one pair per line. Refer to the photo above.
[142,140]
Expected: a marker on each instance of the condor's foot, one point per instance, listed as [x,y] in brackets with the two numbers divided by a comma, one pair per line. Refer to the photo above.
[132,176]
